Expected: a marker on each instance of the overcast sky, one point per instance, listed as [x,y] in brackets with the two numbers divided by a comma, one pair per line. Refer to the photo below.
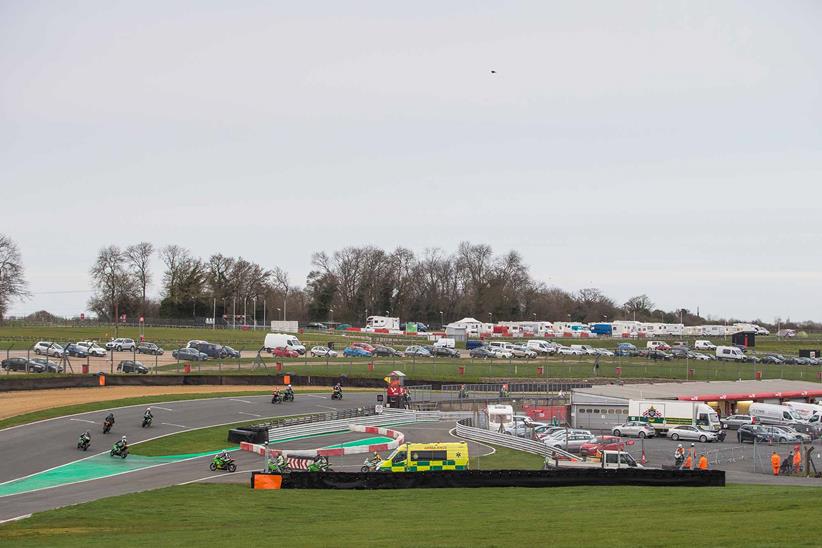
[667,148]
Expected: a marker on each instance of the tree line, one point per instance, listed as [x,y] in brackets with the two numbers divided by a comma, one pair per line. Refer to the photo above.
[343,286]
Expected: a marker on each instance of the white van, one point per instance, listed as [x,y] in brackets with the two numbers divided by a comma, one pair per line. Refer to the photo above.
[704,345]
[771,413]
[731,353]
[500,417]
[283,340]
[657,345]
[445,342]
[584,349]
[810,412]
[541,347]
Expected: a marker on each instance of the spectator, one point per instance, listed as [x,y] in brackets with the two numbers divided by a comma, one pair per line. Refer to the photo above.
[775,462]
[689,463]
[703,462]
[797,459]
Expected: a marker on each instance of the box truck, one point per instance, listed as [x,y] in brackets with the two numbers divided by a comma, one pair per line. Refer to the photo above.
[663,414]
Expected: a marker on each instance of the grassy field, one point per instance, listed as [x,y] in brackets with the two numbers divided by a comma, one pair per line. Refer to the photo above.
[228,515]
[507,459]
[194,441]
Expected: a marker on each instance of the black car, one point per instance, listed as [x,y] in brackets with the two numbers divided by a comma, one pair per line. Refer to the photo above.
[680,352]
[482,353]
[231,353]
[76,351]
[659,355]
[48,367]
[129,366]
[191,354]
[210,349]
[149,348]
[316,325]
[21,364]
[382,350]
[748,433]
[444,351]
[772,360]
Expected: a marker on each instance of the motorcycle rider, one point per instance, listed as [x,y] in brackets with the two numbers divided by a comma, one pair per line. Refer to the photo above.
[221,459]
[679,456]
[276,395]
[121,445]
[289,392]
[279,463]
[85,438]
[337,389]
[110,418]
[147,415]
[375,460]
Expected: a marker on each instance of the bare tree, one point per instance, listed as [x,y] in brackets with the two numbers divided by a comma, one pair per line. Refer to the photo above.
[138,257]
[12,281]
[280,278]
[115,286]
[640,305]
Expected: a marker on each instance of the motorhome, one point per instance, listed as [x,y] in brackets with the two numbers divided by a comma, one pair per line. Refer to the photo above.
[382,322]
[283,340]
[662,414]
[771,413]
[500,417]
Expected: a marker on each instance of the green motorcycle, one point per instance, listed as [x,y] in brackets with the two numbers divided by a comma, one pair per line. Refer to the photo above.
[320,465]
[223,464]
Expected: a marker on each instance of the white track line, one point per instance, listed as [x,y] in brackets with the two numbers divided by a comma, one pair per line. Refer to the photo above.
[243,401]
[163,408]
[18,518]
[213,476]
[451,432]
[83,420]
[313,396]
[249,414]
[172,424]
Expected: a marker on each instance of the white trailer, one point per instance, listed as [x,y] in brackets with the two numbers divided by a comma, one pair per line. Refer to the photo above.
[382,322]
[663,414]
[500,417]
[278,326]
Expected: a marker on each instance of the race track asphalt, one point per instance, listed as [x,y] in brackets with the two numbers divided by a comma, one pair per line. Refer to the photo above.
[40,446]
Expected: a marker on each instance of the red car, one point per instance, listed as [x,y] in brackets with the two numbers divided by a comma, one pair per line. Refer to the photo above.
[283,352]
[364,345]
[602,443]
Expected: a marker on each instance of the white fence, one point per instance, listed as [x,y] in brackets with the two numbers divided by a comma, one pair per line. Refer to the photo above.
[465,430]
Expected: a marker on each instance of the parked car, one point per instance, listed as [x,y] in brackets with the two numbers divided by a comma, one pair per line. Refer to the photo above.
[570,441]
[209,349]
[75,351]
[21,364]
[323,351]
[787,434]
[48,366]
[680,352]
[699,356]
[364,345]
[691,433]
[733,422]
[601,443]
[657,345]
[482,352]
[773,359]
[149,348]
[121,344]
[283,352]
[634,428]
[382,350]
[748,433]
[316,325]
[230,352]
[188,354]
[48,348]
[547,431]
[704,345]
[603,352]
[626,349]
[768,434]
[130,366]
[356,352]
[417,351]
[443,351]
[658,355]
[93,349]
[568,351]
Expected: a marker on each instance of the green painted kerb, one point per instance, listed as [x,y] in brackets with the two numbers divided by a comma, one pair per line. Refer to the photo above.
[359,443]
[99,466]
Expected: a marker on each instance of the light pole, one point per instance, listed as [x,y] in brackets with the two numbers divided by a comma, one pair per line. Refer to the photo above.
[278,311]
[254,299]
[490,317]
[330,315]
[234,312]
[264,299]
[245,311]
[442,322]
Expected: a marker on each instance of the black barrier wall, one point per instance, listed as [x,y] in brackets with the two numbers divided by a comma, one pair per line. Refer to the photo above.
[503,478]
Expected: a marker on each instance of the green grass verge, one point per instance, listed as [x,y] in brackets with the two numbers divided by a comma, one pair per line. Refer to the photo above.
[111,404]
[507,459]
[201,440]
[228,515]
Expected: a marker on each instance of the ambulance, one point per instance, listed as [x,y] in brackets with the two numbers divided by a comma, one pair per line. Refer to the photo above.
[426,457]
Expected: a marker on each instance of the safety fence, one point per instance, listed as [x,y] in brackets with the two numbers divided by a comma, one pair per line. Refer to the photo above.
[465,429]
[512,387]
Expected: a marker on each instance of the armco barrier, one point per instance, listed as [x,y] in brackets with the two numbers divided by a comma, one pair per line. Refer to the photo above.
[465,430]
[341,425]
[504,478]
[397,439]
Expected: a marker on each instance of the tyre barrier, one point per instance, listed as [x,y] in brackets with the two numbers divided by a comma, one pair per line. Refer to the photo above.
[502,478]
[398,438]
[250,434]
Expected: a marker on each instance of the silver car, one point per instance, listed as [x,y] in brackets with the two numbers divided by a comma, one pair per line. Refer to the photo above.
[692,433]
[572,441]
[634,428]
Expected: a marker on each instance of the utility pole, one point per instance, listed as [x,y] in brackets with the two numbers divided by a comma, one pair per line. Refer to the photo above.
[214,315]
[234,312]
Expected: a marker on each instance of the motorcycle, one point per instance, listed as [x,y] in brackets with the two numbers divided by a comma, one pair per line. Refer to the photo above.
[147,421]
[276,398]
[227,464]
[107,424]
[118,450]
[83,444]
[274,468]
[370,465]
[336,395]
[288,396]
[320,465]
